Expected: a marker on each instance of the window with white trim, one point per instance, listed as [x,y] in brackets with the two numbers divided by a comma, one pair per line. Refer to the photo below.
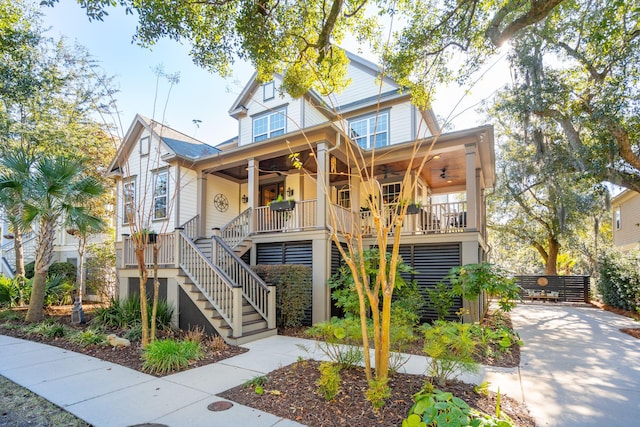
[391,193]
[144,145]
[618,218]
[371,131]
[129,201]
[160,194]
[344,198]
[268,90]
[269,125]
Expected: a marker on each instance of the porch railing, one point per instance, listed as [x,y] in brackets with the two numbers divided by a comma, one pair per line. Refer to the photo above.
[345,219]
[166,251]
[434,218]
[303,216]
[191,227]
[236,231]
[212,282]
[8,250]
[254,289]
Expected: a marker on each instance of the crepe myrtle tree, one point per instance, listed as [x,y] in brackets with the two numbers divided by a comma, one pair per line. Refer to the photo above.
[140,210]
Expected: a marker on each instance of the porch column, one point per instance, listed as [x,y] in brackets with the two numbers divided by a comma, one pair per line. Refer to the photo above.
[320,290]
[472,197]
[354,195]
[253,190]
[202,204]
[322,183]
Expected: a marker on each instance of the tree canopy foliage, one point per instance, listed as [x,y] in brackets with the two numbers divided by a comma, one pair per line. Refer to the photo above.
[297,38]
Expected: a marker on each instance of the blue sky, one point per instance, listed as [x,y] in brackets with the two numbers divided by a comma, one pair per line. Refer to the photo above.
[199,95]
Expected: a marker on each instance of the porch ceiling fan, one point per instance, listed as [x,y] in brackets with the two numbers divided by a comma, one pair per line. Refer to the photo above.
[446,175]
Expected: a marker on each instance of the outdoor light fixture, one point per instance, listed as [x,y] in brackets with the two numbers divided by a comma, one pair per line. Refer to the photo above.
[245,199]
[289,192]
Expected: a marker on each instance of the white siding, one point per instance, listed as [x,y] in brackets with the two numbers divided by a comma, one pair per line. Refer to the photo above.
[257,105]
[231,190]
[141,167]
[628,236]
[400,123]
[363,85]
[312,116]
[422,130]
[188,198]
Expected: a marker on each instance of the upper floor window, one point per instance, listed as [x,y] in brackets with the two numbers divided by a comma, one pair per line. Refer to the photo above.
[371,131]
[268,90]
[617,218]
[129,201]
[160,194]
[269,125]
[144,145]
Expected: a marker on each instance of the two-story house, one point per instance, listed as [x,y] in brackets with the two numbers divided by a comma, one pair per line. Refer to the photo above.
[210,205]
[626,220]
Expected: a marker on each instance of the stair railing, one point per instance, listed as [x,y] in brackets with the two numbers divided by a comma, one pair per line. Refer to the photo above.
[237,230]
[191,227]
[213,283]
[260,295]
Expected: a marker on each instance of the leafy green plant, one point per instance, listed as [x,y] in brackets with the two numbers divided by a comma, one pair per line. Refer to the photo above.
[48,329]
[339,340]
[378,393]
[89,337]
[441,299]
[125,313]
[134,333]
[293,291]
[435,408]
[450,346]
[474,280]
[162,356]
[9,315]
[619,282]
[329,381]
[59,290]
[257,384]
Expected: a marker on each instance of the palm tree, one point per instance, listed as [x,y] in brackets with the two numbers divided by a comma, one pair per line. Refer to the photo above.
[14,173]
[57,190]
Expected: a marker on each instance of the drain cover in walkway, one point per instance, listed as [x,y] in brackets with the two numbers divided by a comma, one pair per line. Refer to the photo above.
[221,405]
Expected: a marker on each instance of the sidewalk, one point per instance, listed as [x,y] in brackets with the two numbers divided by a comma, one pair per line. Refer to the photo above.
[577,369]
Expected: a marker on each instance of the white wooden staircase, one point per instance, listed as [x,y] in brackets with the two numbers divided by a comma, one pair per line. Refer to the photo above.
[235,301]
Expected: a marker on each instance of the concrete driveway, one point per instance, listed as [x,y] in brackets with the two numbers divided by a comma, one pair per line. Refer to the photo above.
[577,368]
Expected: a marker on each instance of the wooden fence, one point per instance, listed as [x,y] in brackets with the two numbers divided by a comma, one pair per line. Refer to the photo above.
[570,288]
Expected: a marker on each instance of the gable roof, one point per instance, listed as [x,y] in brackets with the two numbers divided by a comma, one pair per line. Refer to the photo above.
[179,144]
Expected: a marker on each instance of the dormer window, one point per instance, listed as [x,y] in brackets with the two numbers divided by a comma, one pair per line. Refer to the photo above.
[371,131]
[144,145]
[270,124]
[268,90]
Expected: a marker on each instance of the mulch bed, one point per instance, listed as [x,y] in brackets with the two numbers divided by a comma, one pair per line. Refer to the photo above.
[291,392]
[130,357]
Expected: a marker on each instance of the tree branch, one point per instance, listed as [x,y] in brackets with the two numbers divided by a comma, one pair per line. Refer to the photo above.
[538,11]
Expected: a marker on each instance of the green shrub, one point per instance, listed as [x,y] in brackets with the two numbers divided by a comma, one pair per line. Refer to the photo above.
[65,269]
[619,282]
[48,329]
[89,337]
[451,346]
[329,381]
[29,270]
[14,291]
[441,299]
[162,356]
[135,333]
[125,313]
[293,291]
[5,291]
[378,393]
[8,315]
[407,299]
[339,340]
[59,290]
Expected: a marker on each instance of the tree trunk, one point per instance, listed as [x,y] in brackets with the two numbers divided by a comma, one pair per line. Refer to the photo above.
[82,242]
[139,248]
[44,253]
[550,268]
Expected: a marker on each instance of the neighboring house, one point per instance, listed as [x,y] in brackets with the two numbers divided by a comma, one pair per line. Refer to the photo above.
[65,249]
[198,191]
[626,220]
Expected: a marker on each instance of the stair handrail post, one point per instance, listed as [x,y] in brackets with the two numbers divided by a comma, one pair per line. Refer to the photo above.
[176,246]
[237,312]
[271,318]
[215,232]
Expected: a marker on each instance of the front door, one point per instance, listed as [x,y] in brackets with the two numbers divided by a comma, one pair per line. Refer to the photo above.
[270,192]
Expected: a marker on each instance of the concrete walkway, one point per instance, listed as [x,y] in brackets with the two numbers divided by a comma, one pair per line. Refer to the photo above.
[577,369]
